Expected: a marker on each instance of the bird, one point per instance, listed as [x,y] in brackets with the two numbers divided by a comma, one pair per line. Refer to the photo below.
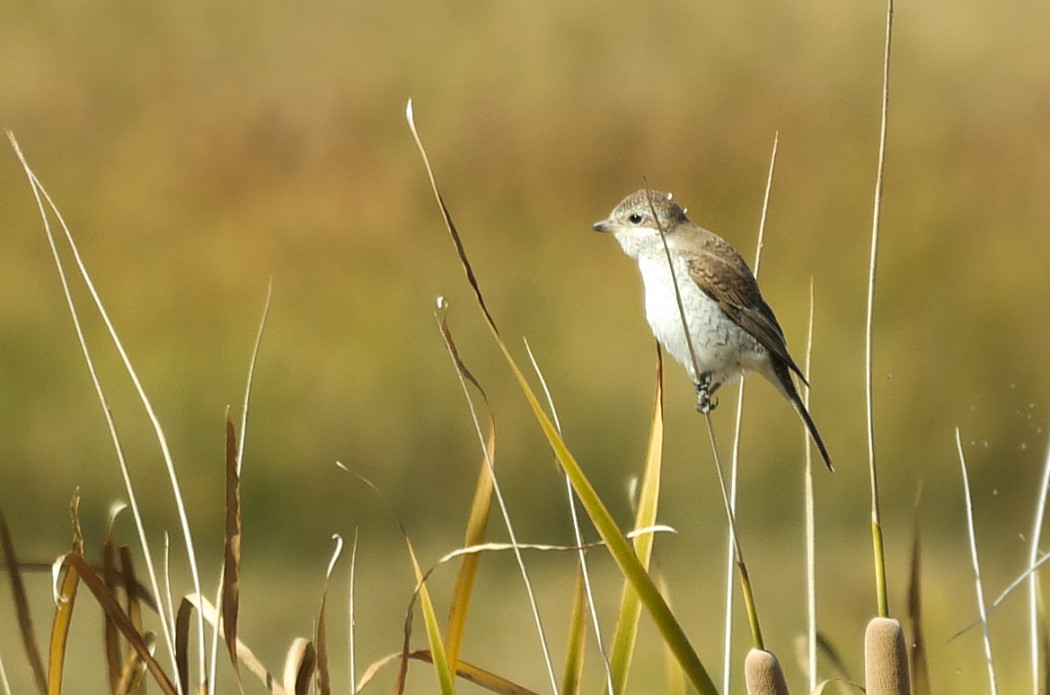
[732,330]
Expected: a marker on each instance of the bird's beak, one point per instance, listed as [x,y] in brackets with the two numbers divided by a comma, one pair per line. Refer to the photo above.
[602,226]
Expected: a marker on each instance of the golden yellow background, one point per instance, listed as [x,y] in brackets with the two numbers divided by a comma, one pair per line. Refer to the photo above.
[200,149]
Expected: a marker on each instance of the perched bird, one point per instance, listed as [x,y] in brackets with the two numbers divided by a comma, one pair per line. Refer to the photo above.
[732,329]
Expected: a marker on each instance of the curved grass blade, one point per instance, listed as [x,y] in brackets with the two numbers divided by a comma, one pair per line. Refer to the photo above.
[474,674]
[65,600]
[324,686]
[231,574]
[244,652]
[299,666]
[477,523]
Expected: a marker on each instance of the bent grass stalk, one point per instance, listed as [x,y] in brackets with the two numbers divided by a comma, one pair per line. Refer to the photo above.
[619,548]
[738,553]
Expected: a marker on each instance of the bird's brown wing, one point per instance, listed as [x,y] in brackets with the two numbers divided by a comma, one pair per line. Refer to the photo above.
[724,276]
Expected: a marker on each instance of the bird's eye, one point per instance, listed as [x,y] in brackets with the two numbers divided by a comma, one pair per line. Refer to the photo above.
[636,218]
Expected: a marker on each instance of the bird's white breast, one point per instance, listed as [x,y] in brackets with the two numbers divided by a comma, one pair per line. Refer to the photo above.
[721,346]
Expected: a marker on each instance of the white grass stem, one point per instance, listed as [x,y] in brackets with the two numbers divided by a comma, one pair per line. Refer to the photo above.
[442,306]
[350,611]
[981,606]
[41,194]
[1033,579]
[727,655]
[811,532]
[169,462]
[577,534]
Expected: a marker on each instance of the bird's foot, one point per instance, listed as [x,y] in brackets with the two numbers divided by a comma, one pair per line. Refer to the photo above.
[705,390]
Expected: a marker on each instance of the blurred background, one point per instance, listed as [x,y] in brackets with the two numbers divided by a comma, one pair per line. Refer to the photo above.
[199,150]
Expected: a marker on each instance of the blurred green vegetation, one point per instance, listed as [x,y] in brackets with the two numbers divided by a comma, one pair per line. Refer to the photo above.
[199,149]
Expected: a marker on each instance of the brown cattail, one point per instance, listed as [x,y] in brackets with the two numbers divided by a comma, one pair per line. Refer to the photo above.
[763,674]
[885,658]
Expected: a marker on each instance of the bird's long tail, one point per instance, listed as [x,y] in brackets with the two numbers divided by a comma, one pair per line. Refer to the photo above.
[787,387]
[800,408]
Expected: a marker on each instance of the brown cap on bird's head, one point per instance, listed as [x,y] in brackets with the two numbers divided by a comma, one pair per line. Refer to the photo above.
[667,211]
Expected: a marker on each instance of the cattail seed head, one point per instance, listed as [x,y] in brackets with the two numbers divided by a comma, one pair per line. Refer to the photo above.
[763,675]
[885,658]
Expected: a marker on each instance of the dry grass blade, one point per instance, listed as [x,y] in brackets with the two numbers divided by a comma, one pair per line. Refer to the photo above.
[244,653]
[573,669]
[479,676]
[920,670]
[763,675]
[182,643]
[114,658]
[621,551]
[648,504]
[299,666]
[114,612]
[477,523]
[474,674]
[231,574]
[321,640]
[25,619]
[376,666]
[130,678]
[885,658]
[131,586]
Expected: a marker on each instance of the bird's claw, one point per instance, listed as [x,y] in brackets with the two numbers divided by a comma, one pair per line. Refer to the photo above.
[705,390]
